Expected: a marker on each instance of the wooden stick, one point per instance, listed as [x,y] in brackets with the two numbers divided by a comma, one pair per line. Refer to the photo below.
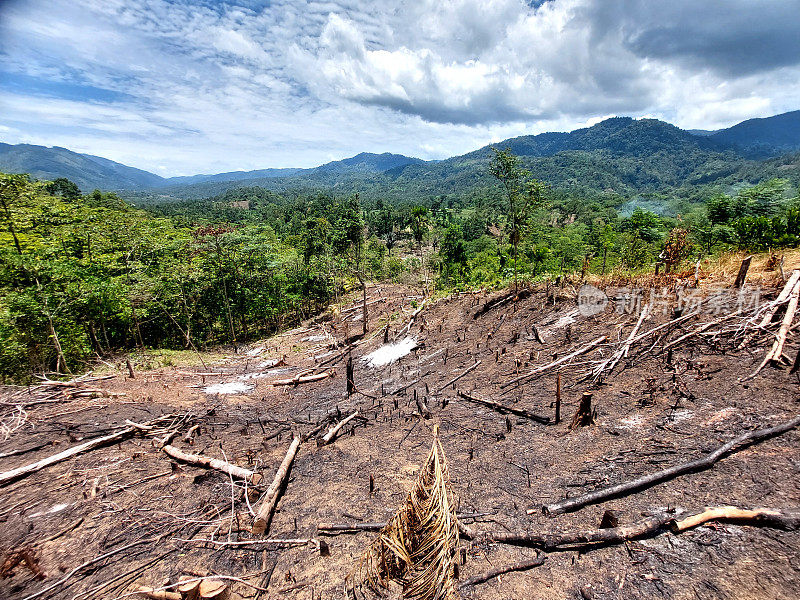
[92,444]
[262,520]
[456,378]
[297,379]
[328,437]
[788,519]
[502,408]
[492,573]
[701,329]
[213,463]
[543,369]
[577,539]
[700,464]
[558,399]
[776,352]
[782,297]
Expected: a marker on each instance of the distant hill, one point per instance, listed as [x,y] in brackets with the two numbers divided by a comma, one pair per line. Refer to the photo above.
[620,155]
[87,171]
[231,176]
[367,163]
[763,137]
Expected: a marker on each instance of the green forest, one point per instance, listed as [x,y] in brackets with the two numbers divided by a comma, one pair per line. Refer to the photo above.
[86,276]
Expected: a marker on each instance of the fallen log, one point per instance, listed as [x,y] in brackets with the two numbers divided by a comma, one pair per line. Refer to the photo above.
[92,444]
[456,378]
[264,516]
[543,369]
[298,379]
[700,464]
[328,437]
[502,408]
[158,594]
[505,299]
[340,527]
[578,539]
[787,519]
[492,573]
[213,463]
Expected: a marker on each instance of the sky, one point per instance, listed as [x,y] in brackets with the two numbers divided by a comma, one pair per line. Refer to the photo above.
[182,87]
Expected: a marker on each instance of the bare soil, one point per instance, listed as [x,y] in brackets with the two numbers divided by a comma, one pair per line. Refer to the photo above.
[651,413]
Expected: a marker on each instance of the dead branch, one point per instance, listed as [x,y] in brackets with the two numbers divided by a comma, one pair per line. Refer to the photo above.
[612,360]
[543,369]
[342,527]
[213,463]
[582,539]
[502,408]
[701,329]
[262,520]
[788,519]
[492,573]
[456,378]
[328,437]
[776,352]
[700,464]
[92,444]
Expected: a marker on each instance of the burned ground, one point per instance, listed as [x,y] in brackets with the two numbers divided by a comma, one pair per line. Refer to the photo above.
[128,516]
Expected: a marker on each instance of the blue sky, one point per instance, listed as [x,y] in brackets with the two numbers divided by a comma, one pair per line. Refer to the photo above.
[181,87]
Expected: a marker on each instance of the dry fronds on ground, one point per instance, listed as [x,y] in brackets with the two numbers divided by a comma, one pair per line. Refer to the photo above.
[417,548]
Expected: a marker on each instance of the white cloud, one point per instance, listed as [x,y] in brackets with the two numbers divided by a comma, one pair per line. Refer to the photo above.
[203,87]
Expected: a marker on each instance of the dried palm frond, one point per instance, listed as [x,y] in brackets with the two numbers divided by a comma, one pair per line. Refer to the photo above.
[417,548]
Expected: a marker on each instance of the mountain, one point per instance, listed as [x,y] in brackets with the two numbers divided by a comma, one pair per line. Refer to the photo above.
[87,171]
[232,176]
[763,137]
[367,163]
[619,155]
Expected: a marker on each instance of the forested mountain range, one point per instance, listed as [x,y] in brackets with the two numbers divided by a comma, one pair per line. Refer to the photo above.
[620,156]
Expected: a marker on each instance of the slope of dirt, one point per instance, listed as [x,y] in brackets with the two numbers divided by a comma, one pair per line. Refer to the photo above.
[104,522]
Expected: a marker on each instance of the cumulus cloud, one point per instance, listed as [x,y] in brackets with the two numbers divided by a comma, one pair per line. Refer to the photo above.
[478,62]
[194,85]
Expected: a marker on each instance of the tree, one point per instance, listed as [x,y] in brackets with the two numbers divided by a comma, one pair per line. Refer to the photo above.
[522,193]
[418,217]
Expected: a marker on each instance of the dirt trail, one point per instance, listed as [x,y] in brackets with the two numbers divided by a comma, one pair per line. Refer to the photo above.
[653,411]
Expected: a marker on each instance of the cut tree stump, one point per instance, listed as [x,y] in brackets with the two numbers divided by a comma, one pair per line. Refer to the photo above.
[742,275]
[585,414]
[214,589]
[189,589]
[264,516]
